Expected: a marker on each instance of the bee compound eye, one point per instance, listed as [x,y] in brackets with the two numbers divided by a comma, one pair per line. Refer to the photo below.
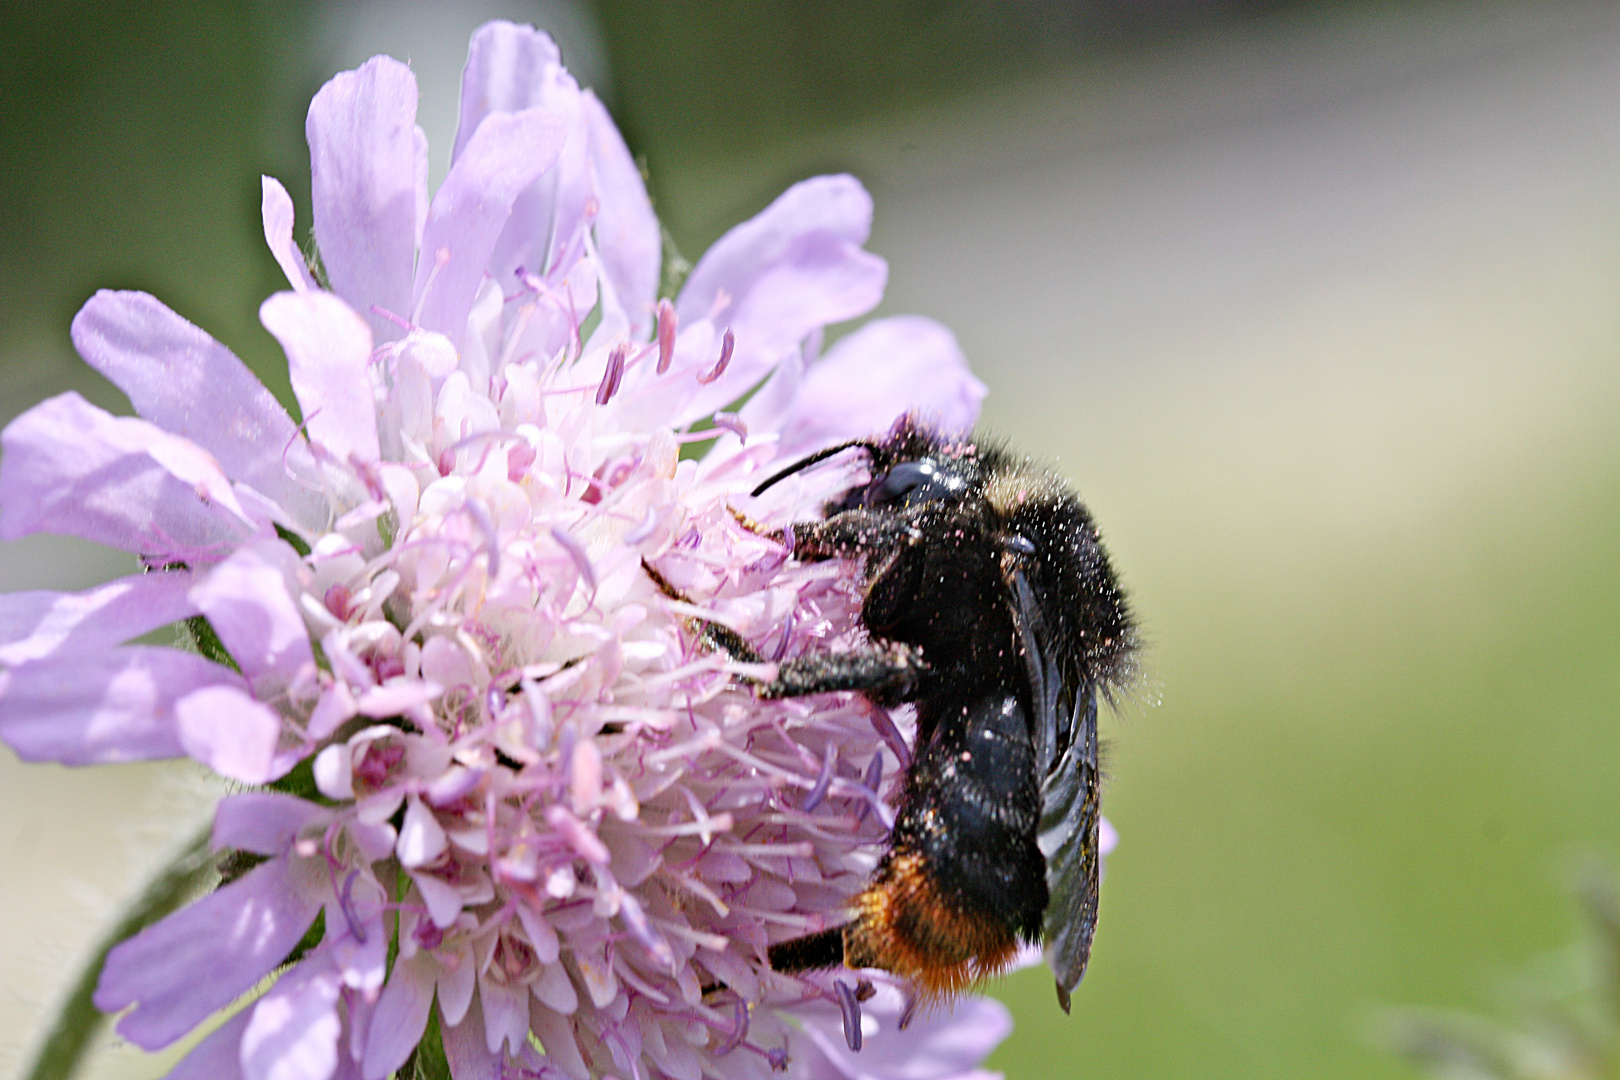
[913,482]
[1018,544]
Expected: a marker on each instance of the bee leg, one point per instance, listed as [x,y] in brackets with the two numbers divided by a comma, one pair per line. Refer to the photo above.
[716,638]
[887,674]
[851,533]
[844,535]
[813,952]
[755,527]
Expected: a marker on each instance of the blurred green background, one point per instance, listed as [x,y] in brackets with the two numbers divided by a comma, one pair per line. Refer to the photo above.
[1316,303]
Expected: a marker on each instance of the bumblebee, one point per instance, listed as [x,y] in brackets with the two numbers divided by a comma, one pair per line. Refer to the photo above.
[991,606]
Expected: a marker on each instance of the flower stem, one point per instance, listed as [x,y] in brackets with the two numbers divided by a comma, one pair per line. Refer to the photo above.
[78,1021]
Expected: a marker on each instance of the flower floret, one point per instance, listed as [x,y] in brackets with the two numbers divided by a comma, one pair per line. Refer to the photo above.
[460,606]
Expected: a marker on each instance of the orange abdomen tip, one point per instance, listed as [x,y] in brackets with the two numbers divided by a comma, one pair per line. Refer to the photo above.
[908,925]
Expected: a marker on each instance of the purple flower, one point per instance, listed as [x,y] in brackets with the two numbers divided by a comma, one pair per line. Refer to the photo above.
[538,806]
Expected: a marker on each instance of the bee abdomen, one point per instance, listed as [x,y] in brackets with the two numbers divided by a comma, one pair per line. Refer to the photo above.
[964,880]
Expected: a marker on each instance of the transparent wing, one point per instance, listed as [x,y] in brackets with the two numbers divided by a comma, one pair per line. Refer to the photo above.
[1064,727]
[1070,812]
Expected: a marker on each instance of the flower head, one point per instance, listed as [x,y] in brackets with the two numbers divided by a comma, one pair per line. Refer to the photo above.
[445,623]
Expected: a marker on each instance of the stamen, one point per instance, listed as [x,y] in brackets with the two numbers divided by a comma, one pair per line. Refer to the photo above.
[716,942]
[578,836]
[614,375]
[732,423]
[576,552]
[874,773]
[357,927]
[909,1013]
[787,636]
[628,974]
[800,850]
[869,782]
[529,280]
[658,950]
[667,323]
[883,724]
[703,827]
[727,343]
[492,541]
[383,313]
[823,781]
[645,529]
[850,1006]
[441,259]
[427,934]
[739,1030]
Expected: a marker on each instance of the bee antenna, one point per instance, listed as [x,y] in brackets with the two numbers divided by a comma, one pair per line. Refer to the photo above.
[818,456]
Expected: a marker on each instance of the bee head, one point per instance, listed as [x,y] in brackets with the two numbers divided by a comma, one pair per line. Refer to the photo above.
[910,466]
[905,484]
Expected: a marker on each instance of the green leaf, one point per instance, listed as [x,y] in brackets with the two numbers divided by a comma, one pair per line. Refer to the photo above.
[296,542]
[427,1061]
[206,641]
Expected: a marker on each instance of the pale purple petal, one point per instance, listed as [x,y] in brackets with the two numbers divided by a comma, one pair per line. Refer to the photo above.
[504,156]
[548,222]
[506,66]
[794,268]
[456,986]
[949,1043]
[872,377]
[69,467]
[357,941]
[465,1051]
[627,234]
[834,207]
[247,603]
[276,207]
[511,68]
[328,351]
[419,153]
[35,625]
[506,1013]
[184,381]
[770,284]
[232,733]
[102,707]
[180,971]
[263,822]
[219,1056]
[400,1017]
[362,150]
[294,1031]
[421,838]
[442,899]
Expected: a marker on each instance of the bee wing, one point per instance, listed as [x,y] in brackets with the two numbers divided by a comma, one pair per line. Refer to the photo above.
[1052,726]
[1070,811]
[1065,735]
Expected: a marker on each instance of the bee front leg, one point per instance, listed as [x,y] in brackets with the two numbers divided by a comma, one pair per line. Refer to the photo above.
[888,674]
[843,536]
[853,533]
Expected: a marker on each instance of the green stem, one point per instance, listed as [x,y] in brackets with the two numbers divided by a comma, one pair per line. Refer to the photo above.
[79,1020]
